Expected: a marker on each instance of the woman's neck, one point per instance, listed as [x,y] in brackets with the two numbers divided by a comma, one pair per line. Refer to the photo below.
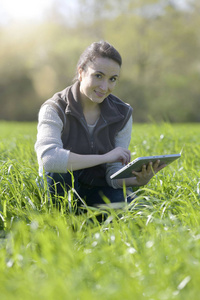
[91,113]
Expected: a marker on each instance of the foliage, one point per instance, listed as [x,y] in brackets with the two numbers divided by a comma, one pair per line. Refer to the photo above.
[159,44]
[149,252]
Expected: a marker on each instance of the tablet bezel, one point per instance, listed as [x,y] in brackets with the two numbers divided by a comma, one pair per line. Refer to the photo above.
[136,164]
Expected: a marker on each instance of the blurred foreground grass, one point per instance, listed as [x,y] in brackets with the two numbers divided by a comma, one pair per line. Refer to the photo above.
[151,252]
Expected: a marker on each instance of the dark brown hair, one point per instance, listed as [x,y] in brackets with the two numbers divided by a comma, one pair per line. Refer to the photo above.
[98,49]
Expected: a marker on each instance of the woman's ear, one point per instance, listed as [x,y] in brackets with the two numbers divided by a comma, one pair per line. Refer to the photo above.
[80,70]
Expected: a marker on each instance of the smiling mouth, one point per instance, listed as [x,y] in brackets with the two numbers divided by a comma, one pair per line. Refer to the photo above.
[99,94]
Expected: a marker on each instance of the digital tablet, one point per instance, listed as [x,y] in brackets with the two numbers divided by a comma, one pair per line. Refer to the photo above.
[136,164]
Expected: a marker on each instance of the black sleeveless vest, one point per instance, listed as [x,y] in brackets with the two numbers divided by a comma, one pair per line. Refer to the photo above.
[75,135]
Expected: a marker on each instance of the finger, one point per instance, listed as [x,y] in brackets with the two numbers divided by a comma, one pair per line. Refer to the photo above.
[161,167]
[156,164]
[136,174]
[149,167]
[153,167]
[127,156]
[144,170]
[124,159]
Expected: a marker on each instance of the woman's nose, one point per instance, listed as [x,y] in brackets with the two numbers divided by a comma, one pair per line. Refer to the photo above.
[104,85]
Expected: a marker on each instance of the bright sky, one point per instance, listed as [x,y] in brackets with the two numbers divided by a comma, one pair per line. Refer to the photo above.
[32,10]
[23,10]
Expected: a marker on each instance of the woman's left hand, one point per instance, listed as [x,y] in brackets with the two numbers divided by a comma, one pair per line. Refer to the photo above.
[147,172]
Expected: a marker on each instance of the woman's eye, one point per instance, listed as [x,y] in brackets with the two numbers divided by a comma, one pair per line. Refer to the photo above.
[113,79]
[99,76]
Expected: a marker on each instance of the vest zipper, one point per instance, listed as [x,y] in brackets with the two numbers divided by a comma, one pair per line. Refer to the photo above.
[92,145]
[90,137]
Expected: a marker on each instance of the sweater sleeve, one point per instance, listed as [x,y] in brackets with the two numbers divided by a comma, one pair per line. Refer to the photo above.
[122,139]
[49,147]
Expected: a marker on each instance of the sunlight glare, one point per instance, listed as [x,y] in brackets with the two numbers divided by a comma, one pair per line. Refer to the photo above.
[21,10]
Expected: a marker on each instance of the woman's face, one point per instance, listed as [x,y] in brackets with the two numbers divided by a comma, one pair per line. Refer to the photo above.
[98,80]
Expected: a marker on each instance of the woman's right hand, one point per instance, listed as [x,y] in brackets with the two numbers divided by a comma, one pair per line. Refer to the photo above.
[79,161]
[118,154]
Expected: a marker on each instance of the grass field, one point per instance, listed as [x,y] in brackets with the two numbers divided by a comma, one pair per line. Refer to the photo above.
[151,252]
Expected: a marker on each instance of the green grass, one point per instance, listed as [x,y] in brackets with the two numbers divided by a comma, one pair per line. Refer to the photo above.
[151,252]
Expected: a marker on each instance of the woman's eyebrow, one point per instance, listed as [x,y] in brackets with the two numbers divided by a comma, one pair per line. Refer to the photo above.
[104,74]
[100,72]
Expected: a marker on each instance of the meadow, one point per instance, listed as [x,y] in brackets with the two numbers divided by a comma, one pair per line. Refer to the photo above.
[150,252]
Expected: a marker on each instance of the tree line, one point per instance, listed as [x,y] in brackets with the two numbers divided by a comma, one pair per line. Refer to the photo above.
[159,43]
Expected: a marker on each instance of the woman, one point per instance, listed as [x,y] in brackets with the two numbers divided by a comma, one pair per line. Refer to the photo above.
[86,130]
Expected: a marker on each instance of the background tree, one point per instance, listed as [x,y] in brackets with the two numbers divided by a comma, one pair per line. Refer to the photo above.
[158,40]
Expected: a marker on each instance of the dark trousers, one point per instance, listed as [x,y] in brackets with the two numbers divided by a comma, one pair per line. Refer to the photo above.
[59,184]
